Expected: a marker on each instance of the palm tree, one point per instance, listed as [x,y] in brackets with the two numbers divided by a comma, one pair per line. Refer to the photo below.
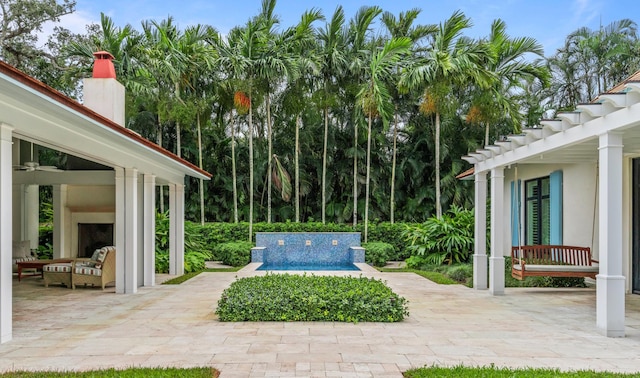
[332,62]
[598,48]
[359,27]
[238,55]
[402,26]
[375,99]
[513,72]
[450,59]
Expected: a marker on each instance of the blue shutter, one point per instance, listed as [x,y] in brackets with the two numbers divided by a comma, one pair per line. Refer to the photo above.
[555,199]
[515,214]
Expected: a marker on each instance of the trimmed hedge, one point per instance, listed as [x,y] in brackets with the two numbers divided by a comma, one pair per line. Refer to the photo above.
[234,253]
[377,253]
[285,297]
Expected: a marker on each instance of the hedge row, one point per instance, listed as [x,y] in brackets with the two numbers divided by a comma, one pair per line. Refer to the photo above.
[285,297]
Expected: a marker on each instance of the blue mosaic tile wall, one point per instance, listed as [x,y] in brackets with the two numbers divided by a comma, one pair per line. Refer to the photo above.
[321,248]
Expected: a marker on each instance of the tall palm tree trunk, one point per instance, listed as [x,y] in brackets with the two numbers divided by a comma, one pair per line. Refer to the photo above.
[392,202]
[178,139]
[250,168]
[233,171]
[201,184]
[297,158]
[324,164]
[366,200]
[355,174]
[270,154]
[438,205]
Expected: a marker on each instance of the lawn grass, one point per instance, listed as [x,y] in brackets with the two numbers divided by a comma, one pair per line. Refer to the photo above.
[203,372]
[491,371]
[436,277]
[187,276]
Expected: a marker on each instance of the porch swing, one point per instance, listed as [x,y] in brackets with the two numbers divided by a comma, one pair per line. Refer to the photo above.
[550,260]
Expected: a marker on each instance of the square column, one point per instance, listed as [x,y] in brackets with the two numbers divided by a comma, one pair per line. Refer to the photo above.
[6,234]
[610,283]
[496,261]
[149,230]
[31,215]
[480,233]
[126,230]
[176,229]
[60,228]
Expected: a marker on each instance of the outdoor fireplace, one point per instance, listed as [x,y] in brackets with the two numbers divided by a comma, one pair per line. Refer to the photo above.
[92,236]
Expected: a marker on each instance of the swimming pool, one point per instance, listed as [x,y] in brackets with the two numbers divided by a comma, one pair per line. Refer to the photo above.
[310,267]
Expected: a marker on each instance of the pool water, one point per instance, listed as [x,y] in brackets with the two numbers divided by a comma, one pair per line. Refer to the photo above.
[347,267]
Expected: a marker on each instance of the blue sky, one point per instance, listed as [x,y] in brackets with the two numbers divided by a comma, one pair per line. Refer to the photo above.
[549,21]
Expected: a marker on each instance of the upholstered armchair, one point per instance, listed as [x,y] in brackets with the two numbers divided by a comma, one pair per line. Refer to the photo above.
[98,271]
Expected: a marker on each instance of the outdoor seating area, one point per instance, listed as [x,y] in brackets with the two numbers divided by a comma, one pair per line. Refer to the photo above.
[99,270]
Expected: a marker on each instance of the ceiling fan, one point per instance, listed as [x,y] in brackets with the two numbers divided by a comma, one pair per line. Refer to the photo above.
[31,166]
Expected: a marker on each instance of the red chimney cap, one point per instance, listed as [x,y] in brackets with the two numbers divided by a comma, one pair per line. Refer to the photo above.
[103,66]
[103,55]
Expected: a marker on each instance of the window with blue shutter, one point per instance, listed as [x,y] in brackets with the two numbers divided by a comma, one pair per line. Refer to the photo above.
[543,210]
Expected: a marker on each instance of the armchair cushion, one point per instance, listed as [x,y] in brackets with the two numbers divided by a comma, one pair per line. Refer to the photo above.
[57,268]
[87,270]
[20,249]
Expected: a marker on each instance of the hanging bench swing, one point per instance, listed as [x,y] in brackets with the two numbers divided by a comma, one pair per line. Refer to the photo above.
[551,260]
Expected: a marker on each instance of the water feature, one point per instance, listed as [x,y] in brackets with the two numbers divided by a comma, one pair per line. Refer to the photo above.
[307,250]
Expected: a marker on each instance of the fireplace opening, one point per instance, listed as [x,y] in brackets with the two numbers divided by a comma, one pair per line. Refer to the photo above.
[92,236]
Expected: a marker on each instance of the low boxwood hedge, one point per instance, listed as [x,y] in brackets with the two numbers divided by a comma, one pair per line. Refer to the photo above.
[286,297]
[377,253]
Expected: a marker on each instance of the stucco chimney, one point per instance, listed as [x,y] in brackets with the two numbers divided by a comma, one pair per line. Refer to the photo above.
[102,92]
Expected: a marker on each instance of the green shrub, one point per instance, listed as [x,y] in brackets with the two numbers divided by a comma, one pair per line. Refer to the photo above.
[285,297]
[415,262]
[448,239]
[234,253]
[460,273]
[377,253]
[195,251]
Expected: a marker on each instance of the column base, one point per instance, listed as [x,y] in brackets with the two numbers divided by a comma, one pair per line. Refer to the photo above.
[610,302]
[496,275]
[480,272]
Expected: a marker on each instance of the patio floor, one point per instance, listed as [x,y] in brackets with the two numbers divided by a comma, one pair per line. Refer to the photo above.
[174,325]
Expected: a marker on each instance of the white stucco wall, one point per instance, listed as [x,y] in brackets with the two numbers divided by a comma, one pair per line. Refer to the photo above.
[579,209]
[87,204]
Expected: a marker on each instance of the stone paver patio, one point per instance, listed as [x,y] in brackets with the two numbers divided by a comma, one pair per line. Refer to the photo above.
[57,328]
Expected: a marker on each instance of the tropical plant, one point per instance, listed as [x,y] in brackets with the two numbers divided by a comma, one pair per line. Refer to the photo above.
[448,239]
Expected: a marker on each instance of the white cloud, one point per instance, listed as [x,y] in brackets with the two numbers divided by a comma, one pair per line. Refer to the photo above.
[76,22]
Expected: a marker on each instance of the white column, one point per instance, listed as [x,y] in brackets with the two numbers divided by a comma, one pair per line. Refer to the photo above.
[120,230]
[131,233]
[6,234]
[31,214]
[149,236]
[610,283]
[496,261]
[176,229]
[59,229]
[480,233]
